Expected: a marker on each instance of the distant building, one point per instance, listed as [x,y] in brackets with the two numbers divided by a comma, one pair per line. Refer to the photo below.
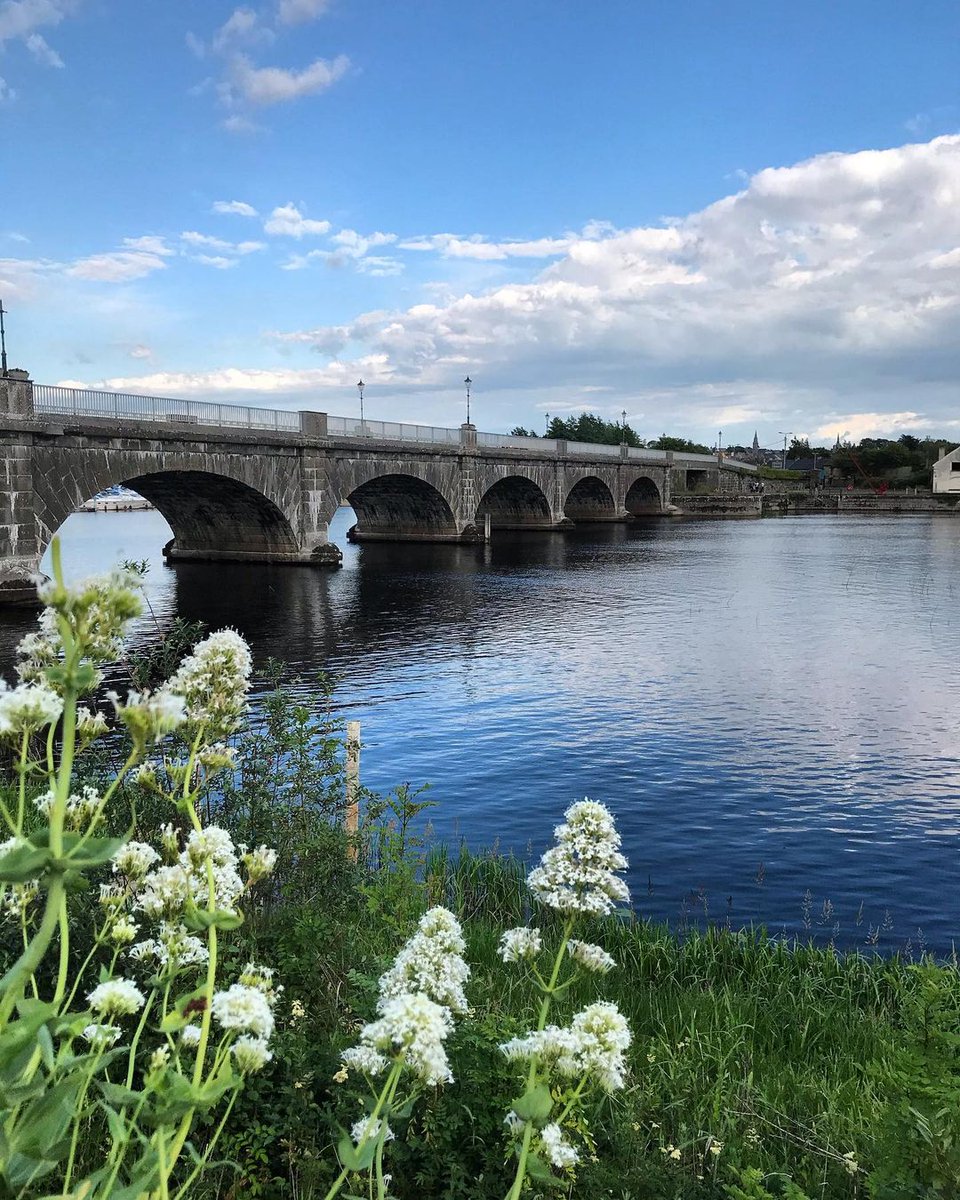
[946,472]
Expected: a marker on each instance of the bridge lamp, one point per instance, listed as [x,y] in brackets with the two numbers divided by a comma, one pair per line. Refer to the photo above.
[623,426]
[360,390]
[468,383]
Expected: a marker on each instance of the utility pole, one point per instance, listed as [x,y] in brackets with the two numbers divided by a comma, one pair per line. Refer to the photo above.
[783,460]
[3,343]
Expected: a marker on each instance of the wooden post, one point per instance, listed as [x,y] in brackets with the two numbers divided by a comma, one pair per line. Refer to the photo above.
[351,819]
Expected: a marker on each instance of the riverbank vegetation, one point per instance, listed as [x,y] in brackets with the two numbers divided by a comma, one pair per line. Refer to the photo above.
[754,1067]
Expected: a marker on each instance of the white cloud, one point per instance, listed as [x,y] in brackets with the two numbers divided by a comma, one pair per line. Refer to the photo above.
[235,207]
[195,45]
[294,12]
[242,27]
[827,287]
[288,221]
[20,18]
[451,245]
[192,238]
[851,427]
[215,260]
[141,352]
[42,52]
[356,245]
[6,91]
[262,86]
[17,237]
[139,257]
[238,124]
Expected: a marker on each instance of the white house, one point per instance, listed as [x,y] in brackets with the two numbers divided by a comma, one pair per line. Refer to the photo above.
[946,472]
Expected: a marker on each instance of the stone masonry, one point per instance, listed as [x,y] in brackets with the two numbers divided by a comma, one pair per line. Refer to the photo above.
[266,496]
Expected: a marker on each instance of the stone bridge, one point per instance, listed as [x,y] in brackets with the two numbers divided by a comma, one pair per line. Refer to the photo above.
[244,484]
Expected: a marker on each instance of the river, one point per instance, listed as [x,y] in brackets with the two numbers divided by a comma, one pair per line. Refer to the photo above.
[771,708]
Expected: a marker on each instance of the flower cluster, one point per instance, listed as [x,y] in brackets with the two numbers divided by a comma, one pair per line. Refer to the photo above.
[593,1045]
[520,943]
[418,996]
[246,1009]
[27,708]
[411,1027]
[578,874]
[97,611]
[116,998]
[590,957]
[431,962]
[213,682]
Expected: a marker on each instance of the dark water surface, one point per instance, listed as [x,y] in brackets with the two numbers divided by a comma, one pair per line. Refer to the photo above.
[780,692]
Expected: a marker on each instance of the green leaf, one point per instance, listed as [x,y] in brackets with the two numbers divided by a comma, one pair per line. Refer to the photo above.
[199,920]
[45,1042]
[23,1169]
[23,863]
[354,1158]
[116,1093]
[538,1170]
[534,1105]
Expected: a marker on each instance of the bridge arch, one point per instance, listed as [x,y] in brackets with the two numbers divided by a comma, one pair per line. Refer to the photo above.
[218,506]
[400,506]
[590,499]
[515,502]
[643,497]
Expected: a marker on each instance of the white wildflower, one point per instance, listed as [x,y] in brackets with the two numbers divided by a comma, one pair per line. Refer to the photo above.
[28,707]
[134,859]
[82,807]
[259,862]
[260,977]
[243,1008]
[172,948]
[590,957]
[594,1044]
[158,1059]
[250,1054]
[90,724]
[116,997]
[515,1125]
[213,682]
[44,802]
[190,1036]
[578,874]
[516,944]
[112,895]
[413,1027]
[17,898]
[123,931]
[165,891]
[365,1059]
[556,1148]
[431,962]
[100,1035]
[150,716]
[368,1130]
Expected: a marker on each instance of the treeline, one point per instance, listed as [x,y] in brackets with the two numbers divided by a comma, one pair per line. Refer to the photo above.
[589,427]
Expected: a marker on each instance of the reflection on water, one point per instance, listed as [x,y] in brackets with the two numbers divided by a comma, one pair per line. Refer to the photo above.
[780,693]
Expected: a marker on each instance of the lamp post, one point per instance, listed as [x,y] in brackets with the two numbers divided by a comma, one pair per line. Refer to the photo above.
[623,427]
[719,443]
[783,460]
[360,390]
[467,383]
[3,343]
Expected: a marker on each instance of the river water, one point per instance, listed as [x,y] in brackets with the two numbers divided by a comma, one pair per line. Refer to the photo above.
[771,708]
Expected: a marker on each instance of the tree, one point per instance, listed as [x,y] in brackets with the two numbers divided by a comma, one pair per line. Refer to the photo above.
[520,431]
[679,444]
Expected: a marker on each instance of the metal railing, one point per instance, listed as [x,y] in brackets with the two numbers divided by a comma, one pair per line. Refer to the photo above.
[84,402]
[81,402]
[592,448]
[516,442]
[392,430]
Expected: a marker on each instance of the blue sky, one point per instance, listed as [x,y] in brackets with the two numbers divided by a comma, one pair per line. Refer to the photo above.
[728,216]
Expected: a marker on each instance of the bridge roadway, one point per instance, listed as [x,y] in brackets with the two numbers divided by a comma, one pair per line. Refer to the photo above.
[262,485]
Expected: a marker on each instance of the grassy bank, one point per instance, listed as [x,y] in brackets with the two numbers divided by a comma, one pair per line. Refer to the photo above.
[752,1060]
